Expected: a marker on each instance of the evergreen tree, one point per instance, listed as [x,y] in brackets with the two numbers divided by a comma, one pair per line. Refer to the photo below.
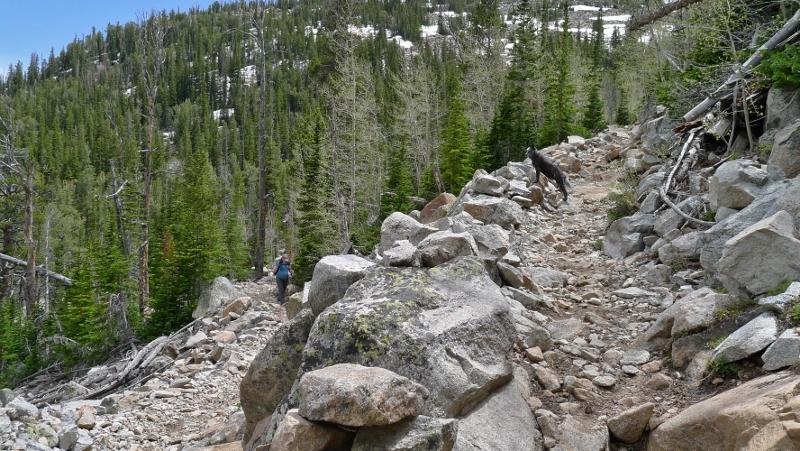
[399,188]
[316,224]
[456,163]
[559,103]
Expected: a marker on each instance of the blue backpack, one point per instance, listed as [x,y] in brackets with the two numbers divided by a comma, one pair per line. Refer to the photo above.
[283,270]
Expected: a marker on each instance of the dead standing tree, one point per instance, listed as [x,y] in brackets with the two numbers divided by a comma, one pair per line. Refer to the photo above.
[151,44]
[16,170]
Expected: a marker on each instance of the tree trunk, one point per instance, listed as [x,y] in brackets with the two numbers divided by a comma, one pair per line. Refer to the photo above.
[639,22]
[144,250]
[123,236]
[30,244]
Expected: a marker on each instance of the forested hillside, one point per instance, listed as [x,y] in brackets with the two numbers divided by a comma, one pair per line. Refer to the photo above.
[145,159]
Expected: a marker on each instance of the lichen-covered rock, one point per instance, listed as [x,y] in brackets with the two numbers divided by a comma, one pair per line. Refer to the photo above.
[398,226]
[333,274]
[749,416]
[417,434]
[768,244]
[19,409]
[273,371]
[444,246]
[501,422]
[447,328]
[295,433]
[357,396]
[219,292]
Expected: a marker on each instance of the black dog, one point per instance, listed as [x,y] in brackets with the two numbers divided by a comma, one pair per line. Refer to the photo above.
[550,169]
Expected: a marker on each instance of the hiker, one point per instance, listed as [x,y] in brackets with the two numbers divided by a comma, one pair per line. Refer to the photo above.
[282,272]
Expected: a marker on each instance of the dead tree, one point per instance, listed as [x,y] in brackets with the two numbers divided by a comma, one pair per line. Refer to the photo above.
[151,43]
[260,38]
[16,168]
[726,89]
[640,21]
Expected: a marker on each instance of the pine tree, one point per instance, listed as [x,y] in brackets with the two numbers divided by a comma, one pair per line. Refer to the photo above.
[399,188]
[456,160]
[559,102]
[316,224]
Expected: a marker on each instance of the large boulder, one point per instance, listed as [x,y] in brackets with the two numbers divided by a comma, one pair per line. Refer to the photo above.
[401,254]
[492,240]
[502,422]
[219,292]
[754,415]
[547,277]
[494,210]
[783,195]
[398,226]
[444,246]
[784,352]
[333,274]
[769,243]
[785,154]
[735,184]
[420,433]
[783,107]
[484,183]
[628,426]
[273,371]
[685,248]
[357,396]
[624,236]
[656,134]
[447,328]
[689,314]
[650,183]
[21,410]
[437,208]
[670,219]
[749,339]
[296,433]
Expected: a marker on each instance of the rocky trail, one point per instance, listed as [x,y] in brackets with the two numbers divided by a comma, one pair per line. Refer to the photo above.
[498,319]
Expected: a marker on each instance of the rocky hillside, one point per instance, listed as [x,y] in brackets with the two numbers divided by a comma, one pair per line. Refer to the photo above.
[498,320]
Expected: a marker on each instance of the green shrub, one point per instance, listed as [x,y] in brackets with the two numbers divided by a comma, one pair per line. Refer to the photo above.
[780,288]
[782,67]
[794,313]
[712,344]
[720,367]
[734,310]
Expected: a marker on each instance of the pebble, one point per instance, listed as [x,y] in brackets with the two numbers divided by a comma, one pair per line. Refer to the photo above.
[604,381]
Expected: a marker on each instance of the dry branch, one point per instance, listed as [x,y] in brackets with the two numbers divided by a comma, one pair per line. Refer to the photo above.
[724,90]
[638,22]
[664,189]
[53,275]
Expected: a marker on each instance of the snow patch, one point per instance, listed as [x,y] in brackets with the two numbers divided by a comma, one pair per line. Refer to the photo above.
[219,114]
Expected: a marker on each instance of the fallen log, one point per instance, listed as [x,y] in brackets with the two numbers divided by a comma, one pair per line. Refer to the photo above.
[39,269]
[665,188]
[639,22]
[724,90]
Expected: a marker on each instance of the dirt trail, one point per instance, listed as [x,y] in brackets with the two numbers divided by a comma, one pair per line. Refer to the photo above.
[594,330]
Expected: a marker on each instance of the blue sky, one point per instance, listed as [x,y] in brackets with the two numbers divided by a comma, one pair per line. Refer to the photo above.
[28,26]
